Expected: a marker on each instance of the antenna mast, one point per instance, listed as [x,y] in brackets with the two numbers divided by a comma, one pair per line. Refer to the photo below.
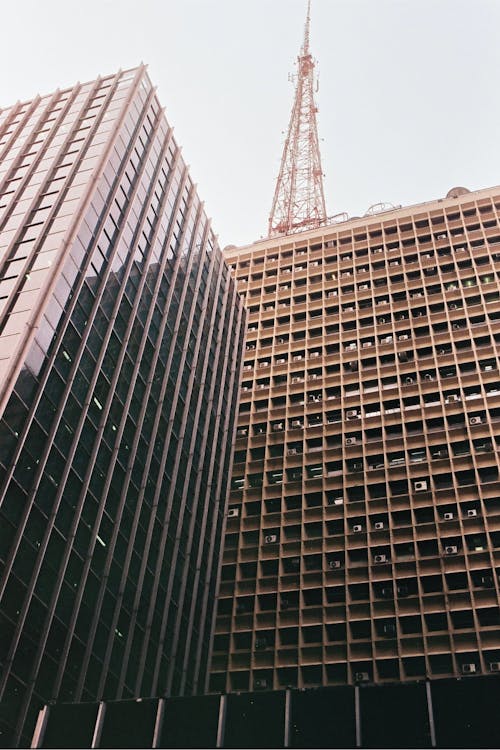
[299,201]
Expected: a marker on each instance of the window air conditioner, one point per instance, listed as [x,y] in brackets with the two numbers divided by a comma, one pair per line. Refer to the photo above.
[277,427]
[361,676]
[351,413]
[367,344]
[494,666]
[271,538]
[233,513]
[297,357]
[357,527]
[468,668]
[260,683]
[452,398]
[381,320]
[380,558]
[409,380]
[452,549]
[334,564]
[296,380]
[471,513]
[428,376]
[350,441]
[280,361]
[448,517]
[420,486]
[403,337]
[292,451]
[263,364]
[296,423]
[331,294]
[363,286]
[475,420]
[378,525]
[314,354]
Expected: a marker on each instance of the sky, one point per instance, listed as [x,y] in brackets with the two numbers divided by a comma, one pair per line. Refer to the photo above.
[408,95]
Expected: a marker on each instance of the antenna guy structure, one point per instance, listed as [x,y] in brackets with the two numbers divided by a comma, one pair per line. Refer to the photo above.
[299,201]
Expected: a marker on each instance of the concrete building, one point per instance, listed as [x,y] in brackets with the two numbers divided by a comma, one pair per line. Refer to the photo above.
[120,347]
[363,537]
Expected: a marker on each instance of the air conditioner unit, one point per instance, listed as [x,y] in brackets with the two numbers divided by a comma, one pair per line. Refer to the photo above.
[351,413]
[363,286]
[380,558]
[452,398]
[448,517]
[271,538]
[420,486]
[260,643]
[280,361]
[427,376]
[263,364]
[296,423]
[314,354]
[468,668]
[475,420]
[382,320]
[292,451]
[334,564]
[471,513]
[494,666]
[233,513]
[403,337]
[296,380]
[350,441]
[367,344]
[331,294]
[350,347]
[453,306]
[361,676]
[402,590]
[409,380]
[260,683]
[378,525]
[452,549]
[278,427]
[313,376]
[357,527]
[297,357]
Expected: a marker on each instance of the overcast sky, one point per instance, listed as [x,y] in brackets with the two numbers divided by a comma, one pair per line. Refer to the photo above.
[408,99]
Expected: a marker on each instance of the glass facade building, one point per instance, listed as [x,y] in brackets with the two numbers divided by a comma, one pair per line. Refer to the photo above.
[121,333]
[363,537]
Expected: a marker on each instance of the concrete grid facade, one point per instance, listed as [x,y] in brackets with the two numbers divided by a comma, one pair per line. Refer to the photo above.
[120,345]
[363,531]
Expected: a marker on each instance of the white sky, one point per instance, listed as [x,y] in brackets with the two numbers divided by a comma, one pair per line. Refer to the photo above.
[408,102]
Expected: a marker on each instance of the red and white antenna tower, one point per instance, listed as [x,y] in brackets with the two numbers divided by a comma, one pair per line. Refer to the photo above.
[299,201]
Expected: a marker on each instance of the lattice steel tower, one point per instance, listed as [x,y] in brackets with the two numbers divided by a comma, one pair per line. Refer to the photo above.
[299,201]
